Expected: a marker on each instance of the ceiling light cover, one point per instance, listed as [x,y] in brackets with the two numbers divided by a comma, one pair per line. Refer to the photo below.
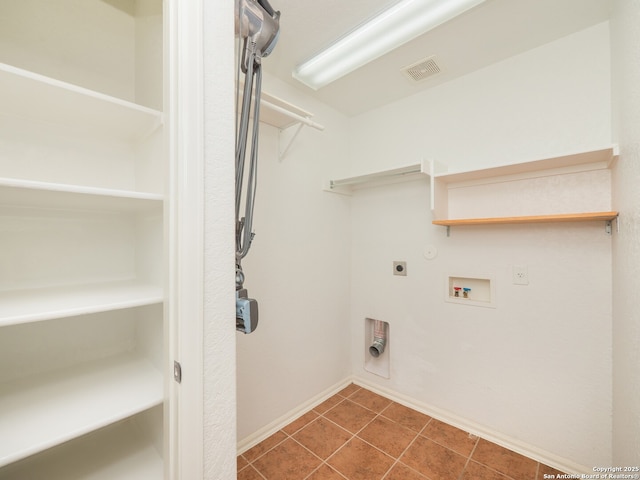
[401,23]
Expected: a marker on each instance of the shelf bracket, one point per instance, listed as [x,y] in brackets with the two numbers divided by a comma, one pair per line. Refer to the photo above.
[283,131]
[448,230]
[607,227]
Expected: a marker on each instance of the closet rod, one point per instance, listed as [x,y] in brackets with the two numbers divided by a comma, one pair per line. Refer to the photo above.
[292,115]
[379,175]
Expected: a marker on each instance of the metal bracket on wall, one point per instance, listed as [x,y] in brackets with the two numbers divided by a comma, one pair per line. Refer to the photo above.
[274,113]
[608,226]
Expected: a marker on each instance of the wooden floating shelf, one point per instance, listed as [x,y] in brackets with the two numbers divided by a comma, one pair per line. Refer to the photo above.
[568,217]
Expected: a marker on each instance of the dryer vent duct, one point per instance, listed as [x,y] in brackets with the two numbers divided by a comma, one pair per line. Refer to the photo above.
[422,70]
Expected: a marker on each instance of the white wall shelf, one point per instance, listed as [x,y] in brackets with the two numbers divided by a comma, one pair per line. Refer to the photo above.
[42,99]
[286,117]
[567,188]
[47,409]
[281,114]
[346,186]
[28,193]
[40,304]
[118,451]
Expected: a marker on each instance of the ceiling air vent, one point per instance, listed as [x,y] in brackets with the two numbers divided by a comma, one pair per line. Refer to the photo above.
[422,70]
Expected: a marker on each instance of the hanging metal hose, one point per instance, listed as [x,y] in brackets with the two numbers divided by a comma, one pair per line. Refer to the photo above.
[258,25]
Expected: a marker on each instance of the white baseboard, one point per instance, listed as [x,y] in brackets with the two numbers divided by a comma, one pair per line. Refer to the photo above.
[246,443]
[542,456]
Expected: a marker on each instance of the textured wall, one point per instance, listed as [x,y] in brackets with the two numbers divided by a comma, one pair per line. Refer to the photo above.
[550,100]
[625,28]
[297,269]
[537,368]
[219,305]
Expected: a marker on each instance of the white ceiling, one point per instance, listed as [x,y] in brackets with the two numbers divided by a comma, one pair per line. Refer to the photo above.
[490,32]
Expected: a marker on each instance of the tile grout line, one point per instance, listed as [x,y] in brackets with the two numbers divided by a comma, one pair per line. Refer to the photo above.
[267,451]
[321,415]
[290,436]
[322,462]
[505,475]
[286,437]
[381,414]
[461,476]
[354,435]
[397,460]
[254,469]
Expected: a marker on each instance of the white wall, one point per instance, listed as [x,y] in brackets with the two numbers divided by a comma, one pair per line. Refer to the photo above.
[549,100]
[298,270]
[536,369]
[219,399]
[625,26]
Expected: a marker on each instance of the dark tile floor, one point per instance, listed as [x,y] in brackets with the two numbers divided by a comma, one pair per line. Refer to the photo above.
[359,435]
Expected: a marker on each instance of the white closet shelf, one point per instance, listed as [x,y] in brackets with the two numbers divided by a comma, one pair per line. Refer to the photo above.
[346,186]
[47,409]
[116,452]
[42,99]
[29,193]
[600,158]
[23,306]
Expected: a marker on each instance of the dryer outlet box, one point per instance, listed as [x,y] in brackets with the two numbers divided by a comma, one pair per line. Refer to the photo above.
[400,268]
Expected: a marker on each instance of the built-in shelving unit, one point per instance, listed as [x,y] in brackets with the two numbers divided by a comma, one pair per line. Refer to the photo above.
[567,188]
[82,265]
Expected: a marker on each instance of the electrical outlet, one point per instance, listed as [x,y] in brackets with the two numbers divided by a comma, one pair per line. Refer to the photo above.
[520,275]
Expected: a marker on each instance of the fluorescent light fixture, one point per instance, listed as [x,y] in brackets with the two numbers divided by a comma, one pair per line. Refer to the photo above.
[396,26]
